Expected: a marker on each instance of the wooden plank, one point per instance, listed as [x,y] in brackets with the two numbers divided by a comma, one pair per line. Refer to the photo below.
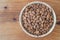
[9,24]
[13,31]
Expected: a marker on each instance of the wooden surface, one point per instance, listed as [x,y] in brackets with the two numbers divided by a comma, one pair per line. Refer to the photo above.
[9,24]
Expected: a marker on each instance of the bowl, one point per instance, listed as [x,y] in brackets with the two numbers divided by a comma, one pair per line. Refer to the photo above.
[54,18]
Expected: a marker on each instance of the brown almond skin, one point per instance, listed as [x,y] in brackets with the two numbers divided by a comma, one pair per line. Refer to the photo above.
[37,19]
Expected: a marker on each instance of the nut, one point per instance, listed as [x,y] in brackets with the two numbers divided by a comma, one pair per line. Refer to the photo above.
[37,19]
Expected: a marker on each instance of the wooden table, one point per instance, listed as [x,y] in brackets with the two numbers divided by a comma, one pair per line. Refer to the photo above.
[9,24]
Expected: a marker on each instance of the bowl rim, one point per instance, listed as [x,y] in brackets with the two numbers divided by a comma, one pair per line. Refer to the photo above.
[54,15]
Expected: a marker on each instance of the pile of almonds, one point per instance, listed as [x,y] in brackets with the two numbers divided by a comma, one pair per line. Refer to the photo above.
[37,19]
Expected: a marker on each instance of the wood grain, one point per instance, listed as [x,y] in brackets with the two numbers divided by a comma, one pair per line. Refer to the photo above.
[9,24]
